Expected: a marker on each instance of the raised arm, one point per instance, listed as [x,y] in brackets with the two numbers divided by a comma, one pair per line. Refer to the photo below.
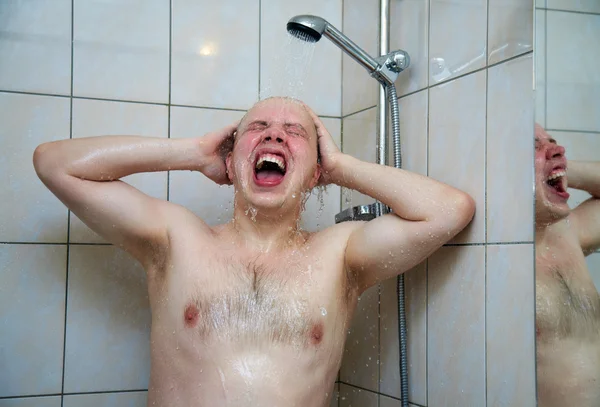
[585,175]
[84,174]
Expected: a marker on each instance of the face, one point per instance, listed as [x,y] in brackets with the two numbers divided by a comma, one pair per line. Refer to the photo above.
[274,158]
[550,179]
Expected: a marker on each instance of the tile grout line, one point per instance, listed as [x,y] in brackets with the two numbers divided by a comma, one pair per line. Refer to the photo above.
[169,90]
[545,69]
[259,44]
[591,13]
[427,141]
[485,202]
[31,396]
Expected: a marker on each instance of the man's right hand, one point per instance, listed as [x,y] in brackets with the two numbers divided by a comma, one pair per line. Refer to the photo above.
[214,148]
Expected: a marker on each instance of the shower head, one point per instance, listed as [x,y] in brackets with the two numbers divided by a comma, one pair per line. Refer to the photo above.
[306,27]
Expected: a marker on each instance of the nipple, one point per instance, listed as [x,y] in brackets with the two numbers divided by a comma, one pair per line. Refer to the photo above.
[191,315]
[316,333]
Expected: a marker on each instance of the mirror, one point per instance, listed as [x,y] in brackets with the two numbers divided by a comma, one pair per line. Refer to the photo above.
[567,165]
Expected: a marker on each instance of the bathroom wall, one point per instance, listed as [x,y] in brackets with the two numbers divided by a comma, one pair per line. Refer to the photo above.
[568,84]
[73,309]
[466,106]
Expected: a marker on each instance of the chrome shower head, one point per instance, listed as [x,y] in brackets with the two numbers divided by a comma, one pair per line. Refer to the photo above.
[307,28]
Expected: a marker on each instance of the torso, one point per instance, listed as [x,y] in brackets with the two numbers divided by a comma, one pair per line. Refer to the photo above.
[567,322]
[235,328]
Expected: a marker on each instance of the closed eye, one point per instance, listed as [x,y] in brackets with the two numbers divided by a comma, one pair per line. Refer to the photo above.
[296,130]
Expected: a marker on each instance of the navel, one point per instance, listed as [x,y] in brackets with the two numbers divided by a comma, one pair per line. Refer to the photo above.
[316,333]
[191,315]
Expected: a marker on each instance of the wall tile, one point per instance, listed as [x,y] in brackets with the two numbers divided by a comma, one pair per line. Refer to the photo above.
[510,30]
[385,401]
[36,46]
[463,51]
[29,211]
[108,322]
[335,400]
[457,143]
[310,72]
[510,326]
[510,135]
[133,399]
[100,118]
[32,311]
[354,397]
[590,6]
[572,74]
[215,53]
[121,49]
[51,401]
[593,264]
[540,67]
[456,327]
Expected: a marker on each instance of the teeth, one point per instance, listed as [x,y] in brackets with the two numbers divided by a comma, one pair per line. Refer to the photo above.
[272,159]
[557,174]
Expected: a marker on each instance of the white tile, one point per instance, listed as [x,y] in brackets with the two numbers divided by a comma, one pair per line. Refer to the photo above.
[215,53]
[572,72]
[590,6]
[385,401]
[310,72]
[510,134]
[409,31]
[510,30]
[108,322]
[458,38]
[593,264]
[32,311]
[133,399]
[457,143]
[101,118]
[121,49]
[360,365]
[50,401]
[354,397]
[361,25]
[35,44]
[540,67]
[510,326]
[29,211]
[456,327]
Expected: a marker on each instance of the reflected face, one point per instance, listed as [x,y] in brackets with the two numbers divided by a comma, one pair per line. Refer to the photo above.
[551,194]
[274,158]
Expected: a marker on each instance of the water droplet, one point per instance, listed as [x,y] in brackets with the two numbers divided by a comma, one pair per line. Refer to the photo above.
[323,311]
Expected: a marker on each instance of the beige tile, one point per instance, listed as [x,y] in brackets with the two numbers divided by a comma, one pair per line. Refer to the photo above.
[456,327]
[50,401]
[540,67]
[385,401]
[32,311]
[590,6]
[510,30]
[29,211]
[121,49]
[458,38]
[416,321]
[335,399]
[360,365]
[593,264]
[36,46]
[409,31]
[215,53]
[509,136]
[510,326]
[361,25]
[359,139]
[354,397]
[108,322]
[540,3]
[457,143]
[310,72]
[98,118]
[572,72]
[133,399]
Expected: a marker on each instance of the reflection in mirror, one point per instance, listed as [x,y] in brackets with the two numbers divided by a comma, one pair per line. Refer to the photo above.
[567,166]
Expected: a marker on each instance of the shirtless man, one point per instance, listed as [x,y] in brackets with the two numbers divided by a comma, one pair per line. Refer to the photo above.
[567,302]
[253,312]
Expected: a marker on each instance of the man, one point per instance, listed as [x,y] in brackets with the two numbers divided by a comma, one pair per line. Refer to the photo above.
[253,312]
[567,303]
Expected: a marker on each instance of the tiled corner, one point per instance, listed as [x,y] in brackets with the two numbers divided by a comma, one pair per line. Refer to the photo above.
[351,396]
[457,143]
[35,45]
[510,30]
[108,322]
[359,89]
[359,139]
[121,49]
[593,264]
[129,399]
[32,311]
[586,6]
[48,401]
[457,43]
[215,53]
[316,67]
[29,211]
[100,118]
[213,203]
[415,288]
[573,79]
[456,327]
[510,326]
[409,31]
[540,67]
[510,134]
[360,365]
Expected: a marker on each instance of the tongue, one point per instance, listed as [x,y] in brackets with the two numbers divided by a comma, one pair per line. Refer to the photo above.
[269,176]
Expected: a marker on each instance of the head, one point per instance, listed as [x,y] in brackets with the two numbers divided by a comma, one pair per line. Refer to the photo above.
[551,194]
[274,159]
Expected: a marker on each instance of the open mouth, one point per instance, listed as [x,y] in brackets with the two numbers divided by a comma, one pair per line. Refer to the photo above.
[557,183]
[269,169]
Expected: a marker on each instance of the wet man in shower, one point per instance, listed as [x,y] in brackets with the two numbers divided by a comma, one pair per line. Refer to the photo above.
[253,312]
[567,302]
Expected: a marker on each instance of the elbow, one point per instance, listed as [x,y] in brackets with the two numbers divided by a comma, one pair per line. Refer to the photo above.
[44,161]
[464,210]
